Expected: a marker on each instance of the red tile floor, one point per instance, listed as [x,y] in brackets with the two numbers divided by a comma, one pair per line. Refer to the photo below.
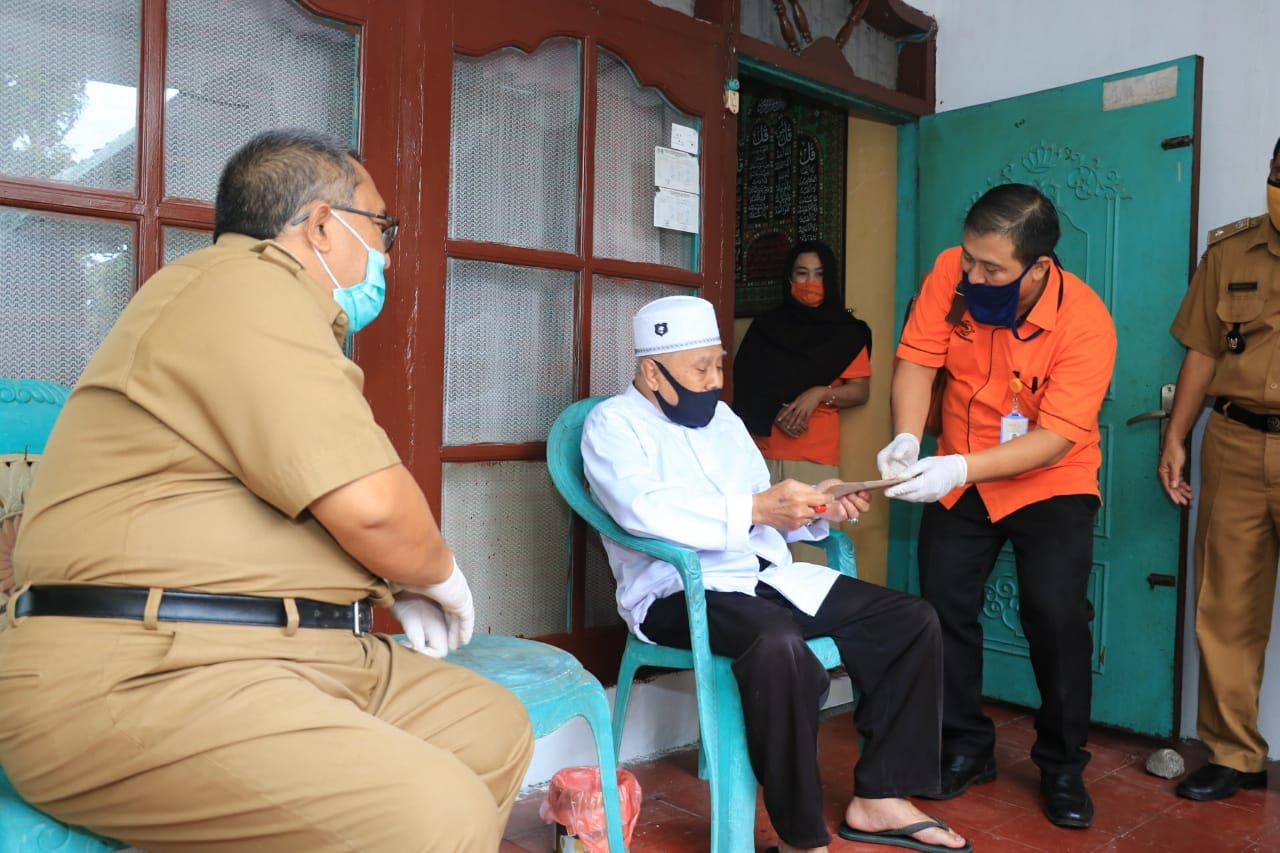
[1136,812]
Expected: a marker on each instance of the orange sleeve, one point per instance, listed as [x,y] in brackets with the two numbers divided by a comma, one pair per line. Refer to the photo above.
[860,367]
[1081,373]
[927,334]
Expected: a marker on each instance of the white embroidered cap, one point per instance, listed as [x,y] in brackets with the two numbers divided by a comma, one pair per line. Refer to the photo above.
[674,323]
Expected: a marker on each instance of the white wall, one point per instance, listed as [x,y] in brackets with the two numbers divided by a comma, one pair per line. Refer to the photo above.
[994,49]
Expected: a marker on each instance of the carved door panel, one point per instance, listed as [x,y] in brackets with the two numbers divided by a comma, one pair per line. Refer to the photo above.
[1115,155]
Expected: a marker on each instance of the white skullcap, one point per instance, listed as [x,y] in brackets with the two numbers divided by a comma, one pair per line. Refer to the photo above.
[674,323]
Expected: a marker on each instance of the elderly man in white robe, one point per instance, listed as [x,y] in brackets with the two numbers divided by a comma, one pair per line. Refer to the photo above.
[667,460]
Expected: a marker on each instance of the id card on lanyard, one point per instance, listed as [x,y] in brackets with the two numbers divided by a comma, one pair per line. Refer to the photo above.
[1015,423]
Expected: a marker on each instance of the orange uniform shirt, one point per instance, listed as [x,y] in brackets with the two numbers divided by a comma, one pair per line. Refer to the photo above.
[820,443]
[1065,372]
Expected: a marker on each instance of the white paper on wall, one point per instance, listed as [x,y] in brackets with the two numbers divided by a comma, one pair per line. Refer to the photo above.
[684,139]
[676,210]
[675,170]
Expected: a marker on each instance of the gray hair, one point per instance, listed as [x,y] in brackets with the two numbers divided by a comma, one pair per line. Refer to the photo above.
[275,174]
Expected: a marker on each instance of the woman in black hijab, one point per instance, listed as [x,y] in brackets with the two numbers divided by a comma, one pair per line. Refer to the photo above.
[799,365]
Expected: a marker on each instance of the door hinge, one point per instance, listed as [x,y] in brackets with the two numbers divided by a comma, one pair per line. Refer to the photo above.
[1155,579]
[1177,142]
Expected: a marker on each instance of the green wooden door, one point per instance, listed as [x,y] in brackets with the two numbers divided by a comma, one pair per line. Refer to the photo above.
[1115,155]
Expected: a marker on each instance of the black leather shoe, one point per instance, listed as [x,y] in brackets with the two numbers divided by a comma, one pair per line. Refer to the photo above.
[1066,802]
[961,771]
[1215,782]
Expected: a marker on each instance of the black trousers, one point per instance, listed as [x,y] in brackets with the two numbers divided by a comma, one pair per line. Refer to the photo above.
[1053,548]
[890,643]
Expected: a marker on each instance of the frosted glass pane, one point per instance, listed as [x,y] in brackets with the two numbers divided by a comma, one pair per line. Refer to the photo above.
[239,67]
[613,303]
[508,352]
[509,530]
[630,120]
[66,281]
[69,91]
[602,602]
[513,147]
[183,241]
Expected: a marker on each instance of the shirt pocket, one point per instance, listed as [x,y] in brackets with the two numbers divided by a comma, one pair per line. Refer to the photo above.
[1241,302]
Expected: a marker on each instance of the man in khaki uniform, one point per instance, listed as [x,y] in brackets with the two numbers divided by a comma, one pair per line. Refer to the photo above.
[1229,324]
[187,664]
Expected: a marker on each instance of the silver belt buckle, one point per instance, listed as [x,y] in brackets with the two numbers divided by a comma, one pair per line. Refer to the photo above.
[356,628]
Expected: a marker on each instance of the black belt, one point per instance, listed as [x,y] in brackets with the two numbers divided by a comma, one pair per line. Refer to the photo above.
[120,602]
[1228,409]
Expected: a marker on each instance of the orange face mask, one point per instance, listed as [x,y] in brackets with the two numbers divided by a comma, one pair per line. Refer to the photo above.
[808,293]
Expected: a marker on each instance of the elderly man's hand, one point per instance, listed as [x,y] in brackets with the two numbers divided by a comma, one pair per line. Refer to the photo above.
[847,507]
[789,505]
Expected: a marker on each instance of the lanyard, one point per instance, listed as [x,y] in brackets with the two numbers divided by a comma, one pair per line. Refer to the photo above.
[1039,332]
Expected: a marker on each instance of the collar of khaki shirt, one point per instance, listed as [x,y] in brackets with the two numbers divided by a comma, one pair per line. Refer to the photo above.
[273,252]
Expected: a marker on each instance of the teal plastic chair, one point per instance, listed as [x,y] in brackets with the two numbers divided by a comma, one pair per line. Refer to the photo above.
[549,681]
[554,688]
[723,758]
[28,408]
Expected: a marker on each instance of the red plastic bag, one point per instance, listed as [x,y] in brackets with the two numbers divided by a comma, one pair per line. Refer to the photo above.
[574,801]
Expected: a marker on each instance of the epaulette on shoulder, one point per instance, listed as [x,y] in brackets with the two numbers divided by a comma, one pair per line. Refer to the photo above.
[1217,235]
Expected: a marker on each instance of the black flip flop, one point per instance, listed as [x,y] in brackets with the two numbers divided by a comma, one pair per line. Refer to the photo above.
[901,837]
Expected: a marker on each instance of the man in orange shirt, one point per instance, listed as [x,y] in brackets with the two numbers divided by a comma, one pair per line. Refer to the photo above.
[1028,350]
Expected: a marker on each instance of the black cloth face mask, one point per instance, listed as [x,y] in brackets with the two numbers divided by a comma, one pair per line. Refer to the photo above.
[693,409]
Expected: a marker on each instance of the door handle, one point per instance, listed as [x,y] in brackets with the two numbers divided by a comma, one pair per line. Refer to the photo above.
[1166,405]
[1161,414]
[1158,414]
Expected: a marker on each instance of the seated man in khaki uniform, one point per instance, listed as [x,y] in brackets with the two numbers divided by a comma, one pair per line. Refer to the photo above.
[188,664]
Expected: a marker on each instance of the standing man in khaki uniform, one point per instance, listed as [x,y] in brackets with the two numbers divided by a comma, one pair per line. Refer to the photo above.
[1230,323]
[188,664]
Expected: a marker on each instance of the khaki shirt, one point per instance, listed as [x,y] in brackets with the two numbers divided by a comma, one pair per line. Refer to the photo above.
[218,408]
[1237,281]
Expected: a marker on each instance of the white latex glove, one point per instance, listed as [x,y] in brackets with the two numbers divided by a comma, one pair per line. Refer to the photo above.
[454,597]
[898,455]
[932,477]
[425,628]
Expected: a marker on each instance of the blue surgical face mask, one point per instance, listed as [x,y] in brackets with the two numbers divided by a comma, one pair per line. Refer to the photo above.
[994,305]
[363,300]
[693,409]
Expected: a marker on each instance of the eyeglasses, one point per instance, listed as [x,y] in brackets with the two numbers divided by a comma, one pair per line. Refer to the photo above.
[389,224]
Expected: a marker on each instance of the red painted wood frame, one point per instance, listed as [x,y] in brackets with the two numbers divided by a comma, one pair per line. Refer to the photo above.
[404,360]
[147,209]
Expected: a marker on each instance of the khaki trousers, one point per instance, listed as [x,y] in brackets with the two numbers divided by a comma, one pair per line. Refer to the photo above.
[228,738]
[1235,582]
[805,472]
